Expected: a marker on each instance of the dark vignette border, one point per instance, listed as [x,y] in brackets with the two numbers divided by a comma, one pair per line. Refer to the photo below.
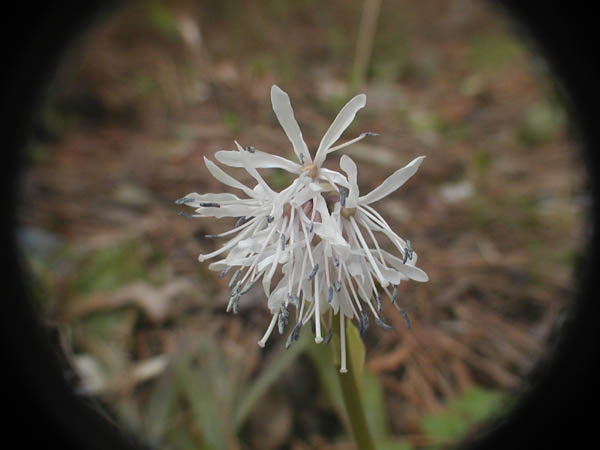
[41,407]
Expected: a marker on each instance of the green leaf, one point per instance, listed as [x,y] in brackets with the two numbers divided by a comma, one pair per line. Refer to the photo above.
[356,348]
[160,408]
[267,377]
[373,402]
[478,404]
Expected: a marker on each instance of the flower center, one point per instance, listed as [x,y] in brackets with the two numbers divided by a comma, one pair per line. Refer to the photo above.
[348,212]
[310,170]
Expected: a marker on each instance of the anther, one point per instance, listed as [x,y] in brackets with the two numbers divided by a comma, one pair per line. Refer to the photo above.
[240,221]
[234,278]
[233,301]
[294,300]
[186,215]
[210,205]
[378,300]
[364,322]
[405,317]
[408,253]
[270,219]
[249,286]
[313,272]
[338,286]
[211,236]
[283,239]
[382,324]
[224,272]
[250,149]
[183,200]
[343,196]
[330,294]
[328,337]
[370,133]
[394,293]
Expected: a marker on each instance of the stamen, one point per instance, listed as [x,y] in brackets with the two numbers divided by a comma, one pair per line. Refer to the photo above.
[382,324]
[343,368]
[248,286]
[234,278]
[364,322]
[183,200]
[405,317]
[294,335]
[313,272]
[408,254]
[328,337]
[283,319]
[233,301]
[225,272]
[294,300]
[338,286]
[318,337]
[263,340]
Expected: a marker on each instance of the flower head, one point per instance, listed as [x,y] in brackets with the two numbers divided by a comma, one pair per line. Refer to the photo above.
[309,239]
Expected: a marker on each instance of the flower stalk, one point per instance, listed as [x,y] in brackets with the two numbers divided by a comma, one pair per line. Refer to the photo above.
[350,385]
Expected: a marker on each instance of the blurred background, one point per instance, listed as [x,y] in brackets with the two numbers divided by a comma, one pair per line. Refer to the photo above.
[496,213]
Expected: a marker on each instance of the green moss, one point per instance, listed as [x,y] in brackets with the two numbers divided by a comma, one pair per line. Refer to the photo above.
[109,268]
[474,406]
[541,123]
[491,51]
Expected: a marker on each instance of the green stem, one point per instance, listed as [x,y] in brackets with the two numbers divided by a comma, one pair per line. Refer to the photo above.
[349,382]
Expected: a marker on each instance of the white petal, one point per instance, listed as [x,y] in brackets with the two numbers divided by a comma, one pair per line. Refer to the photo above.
[349,166]
[237,210]
[249,167]
[393,182]
[339,125]
[285,114]
[194,199]
[227,179]
[260,160]
[333,177]
[414,273]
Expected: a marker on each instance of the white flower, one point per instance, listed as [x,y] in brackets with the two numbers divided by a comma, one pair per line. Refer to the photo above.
[307,237]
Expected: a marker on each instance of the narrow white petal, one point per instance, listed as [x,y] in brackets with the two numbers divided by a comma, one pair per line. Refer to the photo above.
[260,160]
[349,166]
[333,177]
[237,210]
[227,179]
[249,167]
[393,182]
[339,125]
[285,114]
[194,199]
[414,273]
